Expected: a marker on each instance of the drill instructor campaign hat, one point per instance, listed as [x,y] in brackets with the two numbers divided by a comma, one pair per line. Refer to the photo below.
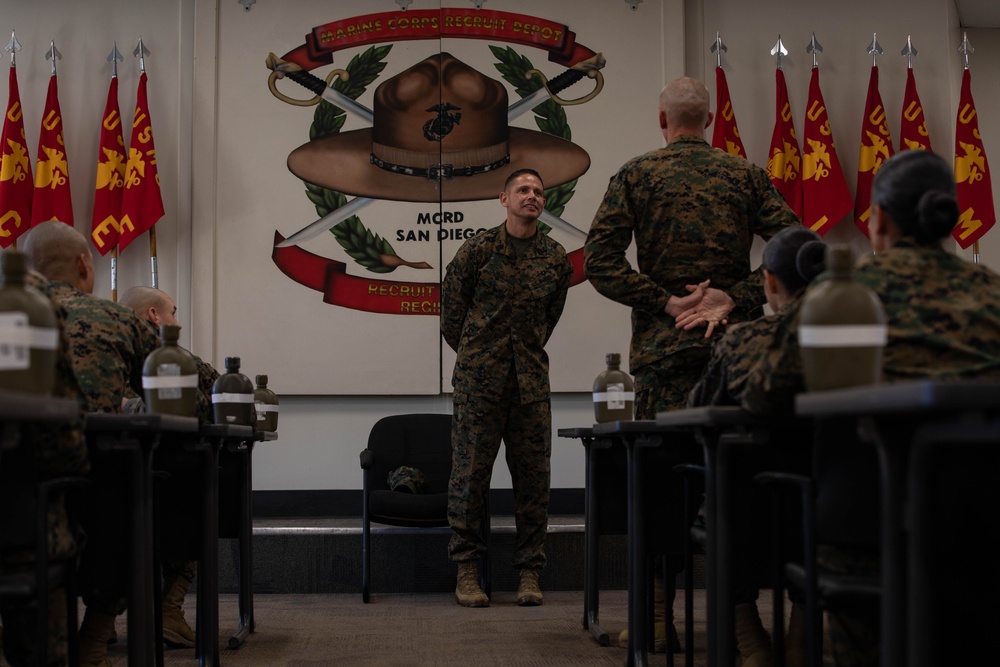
[439,133]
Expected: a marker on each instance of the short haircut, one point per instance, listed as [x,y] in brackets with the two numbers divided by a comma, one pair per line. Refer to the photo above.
[522,172]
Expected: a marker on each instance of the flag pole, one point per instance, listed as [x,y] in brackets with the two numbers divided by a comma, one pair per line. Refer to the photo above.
[965,49]
[141,51]
[14,46]
[114,58]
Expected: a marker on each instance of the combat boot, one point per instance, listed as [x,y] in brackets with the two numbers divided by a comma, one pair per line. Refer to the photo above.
[659,623]
[467,591]
[752,640]
[796,646]
[95,630]
[176,632]
[528,592]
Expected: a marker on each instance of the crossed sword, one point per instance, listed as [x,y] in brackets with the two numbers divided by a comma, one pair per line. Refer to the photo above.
[588,68]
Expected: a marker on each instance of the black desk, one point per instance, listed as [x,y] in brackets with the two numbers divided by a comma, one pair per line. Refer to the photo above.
[136,436]
[18,407]
[636,436]
[591,529]
[891,413]
[720,429]
[242,450]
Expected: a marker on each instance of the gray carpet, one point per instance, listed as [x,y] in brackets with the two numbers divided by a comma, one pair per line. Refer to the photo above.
[426,630]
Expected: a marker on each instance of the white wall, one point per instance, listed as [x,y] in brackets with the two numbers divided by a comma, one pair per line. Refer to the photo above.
[320,436]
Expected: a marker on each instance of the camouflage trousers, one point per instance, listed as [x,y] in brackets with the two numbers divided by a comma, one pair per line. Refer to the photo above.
[19,619]
[854,633]
[478,427]
[665,384]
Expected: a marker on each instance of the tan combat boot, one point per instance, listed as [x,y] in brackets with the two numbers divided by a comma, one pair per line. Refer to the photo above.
[659,623]
[95,630]
[796,649]
[528,592]
[752,640]
[176,632]
[467,591]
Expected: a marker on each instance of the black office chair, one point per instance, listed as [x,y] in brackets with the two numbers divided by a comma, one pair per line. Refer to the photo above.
[423,442]
[839,507]
[24,503]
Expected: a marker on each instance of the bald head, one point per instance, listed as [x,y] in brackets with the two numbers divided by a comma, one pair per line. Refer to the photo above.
[684,107]
[151,304]
[60,253]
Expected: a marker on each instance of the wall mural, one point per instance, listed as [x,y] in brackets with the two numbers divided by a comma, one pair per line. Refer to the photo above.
[354,162]
[439,133]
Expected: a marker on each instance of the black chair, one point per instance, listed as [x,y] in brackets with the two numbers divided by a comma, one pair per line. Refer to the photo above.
[24,501]
[839,507]
[421,441]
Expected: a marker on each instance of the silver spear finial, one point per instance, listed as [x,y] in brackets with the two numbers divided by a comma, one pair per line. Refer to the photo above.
[909,51]
[718,47]
[875,49]
[965,49]
[814,47]
[114,58]
[141,51]
[53,55]
[13,46]
[779,50]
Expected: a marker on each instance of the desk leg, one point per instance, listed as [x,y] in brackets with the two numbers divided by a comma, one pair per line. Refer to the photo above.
[592,537]
[893,567]
[207,643]
[245,575]
[638,585]
[722,636]
[140,596]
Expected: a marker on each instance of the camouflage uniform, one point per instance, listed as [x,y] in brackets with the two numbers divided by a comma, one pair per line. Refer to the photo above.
[692,211]
[59,450]
[109,344]
[498,311]
[943,313]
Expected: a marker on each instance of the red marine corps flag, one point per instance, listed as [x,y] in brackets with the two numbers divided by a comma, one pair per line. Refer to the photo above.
[105,224]
[725,135]
[784,162]
[826,198]
[913,133]
[142,204]
[15,169]
[876,145]
[972,171]
[51,199]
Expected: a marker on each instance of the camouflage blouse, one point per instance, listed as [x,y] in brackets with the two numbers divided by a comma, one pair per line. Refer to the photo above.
[692,211]
[498,311]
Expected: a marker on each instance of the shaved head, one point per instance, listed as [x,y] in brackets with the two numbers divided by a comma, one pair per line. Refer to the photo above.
[684,102]
[152,304]
[56,250]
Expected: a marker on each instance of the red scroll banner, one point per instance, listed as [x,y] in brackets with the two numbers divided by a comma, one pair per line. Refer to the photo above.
[454,22]
[339,288]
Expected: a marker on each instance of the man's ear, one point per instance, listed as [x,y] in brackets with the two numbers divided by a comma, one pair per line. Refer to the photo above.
[663,119]
[711,117]
[152,315]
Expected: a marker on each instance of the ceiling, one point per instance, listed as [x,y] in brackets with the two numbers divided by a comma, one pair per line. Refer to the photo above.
[978,13]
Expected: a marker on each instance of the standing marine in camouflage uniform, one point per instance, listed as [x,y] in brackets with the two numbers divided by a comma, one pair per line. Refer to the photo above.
[108,345]
[58,450]
[692,212]
[791,260]
[156,308]
[501,298]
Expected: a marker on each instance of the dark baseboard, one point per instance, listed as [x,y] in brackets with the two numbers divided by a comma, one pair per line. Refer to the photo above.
[347,503]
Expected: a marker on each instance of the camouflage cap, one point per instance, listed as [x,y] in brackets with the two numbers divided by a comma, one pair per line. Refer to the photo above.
[406,479]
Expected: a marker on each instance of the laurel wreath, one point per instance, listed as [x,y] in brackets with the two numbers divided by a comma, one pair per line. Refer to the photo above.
[360,243]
